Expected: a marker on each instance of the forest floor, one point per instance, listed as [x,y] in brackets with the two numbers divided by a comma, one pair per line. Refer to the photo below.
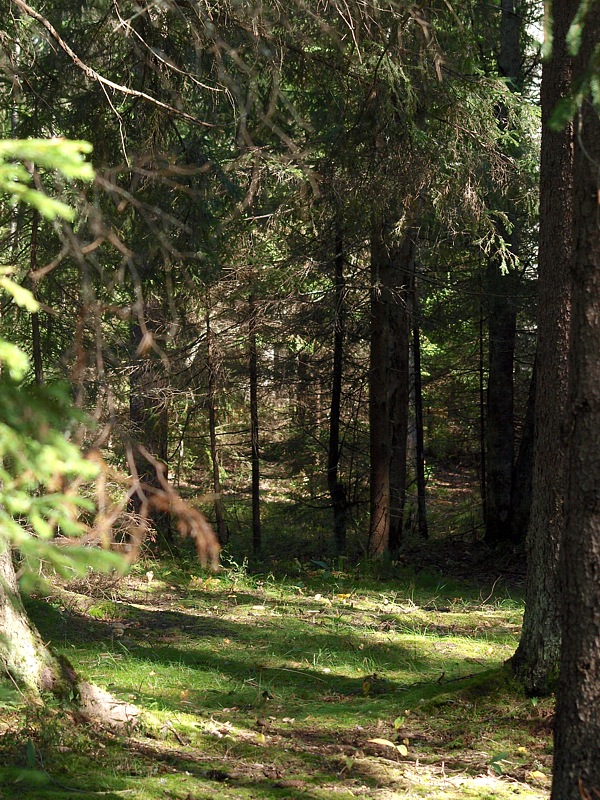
[313,686]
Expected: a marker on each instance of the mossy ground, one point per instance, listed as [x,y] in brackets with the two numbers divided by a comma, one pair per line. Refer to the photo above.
[319,684]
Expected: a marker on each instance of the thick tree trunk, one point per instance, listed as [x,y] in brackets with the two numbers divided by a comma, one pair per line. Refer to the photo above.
[391,268]
[212,429]
[337,492]
[34,669]
[24,657]
[577,729]
[254,427]
[535,662]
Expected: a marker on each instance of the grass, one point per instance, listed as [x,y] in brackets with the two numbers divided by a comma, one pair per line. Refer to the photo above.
[311,685]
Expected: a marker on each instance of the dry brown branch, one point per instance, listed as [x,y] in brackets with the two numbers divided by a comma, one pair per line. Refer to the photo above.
[113,514]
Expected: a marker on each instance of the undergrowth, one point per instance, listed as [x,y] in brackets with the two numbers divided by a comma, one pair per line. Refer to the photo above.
[305,683]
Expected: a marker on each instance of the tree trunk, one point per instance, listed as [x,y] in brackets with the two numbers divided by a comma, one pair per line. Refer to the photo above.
[523,476]
[399,273]
[24,656]
[502,323]
[254,429]
[391,268]
[36,345]
[500,432]
[577,729]
[379,401]
[148,410]
[34,669]
[535,662]
[212,429]
[419,433]
[337,492]
[482,432]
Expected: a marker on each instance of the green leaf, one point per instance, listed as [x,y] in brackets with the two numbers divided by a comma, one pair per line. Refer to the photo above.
[14,360]
[22,297]
[64,155]
[41,526]
[383,743]
[47,206]
[575,31]
[31,760]
[498,761]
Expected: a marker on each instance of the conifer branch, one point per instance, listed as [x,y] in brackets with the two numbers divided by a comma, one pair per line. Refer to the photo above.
[95,76]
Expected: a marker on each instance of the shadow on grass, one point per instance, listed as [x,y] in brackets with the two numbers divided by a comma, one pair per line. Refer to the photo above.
[29,784]
[256,671]
[244,665]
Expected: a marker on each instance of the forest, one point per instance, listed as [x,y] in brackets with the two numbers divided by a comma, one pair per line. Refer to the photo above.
[300,367]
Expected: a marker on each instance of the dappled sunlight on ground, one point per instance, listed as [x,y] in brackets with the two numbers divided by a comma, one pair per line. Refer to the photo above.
[315,687]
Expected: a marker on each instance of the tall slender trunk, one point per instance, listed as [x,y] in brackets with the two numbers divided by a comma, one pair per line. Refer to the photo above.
[500,431]
[482,431]
[419,433]
[523,476]
[212,427]
[399,272]
[502,321]
[391,266]
[337,492]
[535,662]
[577,727]
[36,345]
[254,428]
[149,412]
[379,404]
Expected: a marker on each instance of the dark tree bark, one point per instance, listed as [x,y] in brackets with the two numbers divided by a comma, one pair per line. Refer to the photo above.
[400,273]
[482,434]
[212,428]
[577,729]
[379,403]
[521,497]
[254,427]
[535,662]
[502,323]
[149,411]
[337,492]
[391,266]
[419,434]
[500,426]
